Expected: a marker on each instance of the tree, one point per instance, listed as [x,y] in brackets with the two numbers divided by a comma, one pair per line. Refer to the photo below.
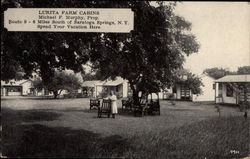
[60,81]
[146,57]
[45,52]
[92,76]
[217,73]
[149,55]
[244,70]
[10,69]
[192,81]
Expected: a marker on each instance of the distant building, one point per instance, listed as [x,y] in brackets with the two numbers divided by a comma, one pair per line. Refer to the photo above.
[208,89]
[230,89]
[98,88]
[89,88]
[26,88]
[23,88]
[158,95]
[180,91]
[17,88]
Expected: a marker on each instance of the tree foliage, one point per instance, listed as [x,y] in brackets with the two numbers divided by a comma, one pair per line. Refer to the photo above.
[216,72]
[92,76]
[146,57]
[60,81]
[244,70]
[194,82]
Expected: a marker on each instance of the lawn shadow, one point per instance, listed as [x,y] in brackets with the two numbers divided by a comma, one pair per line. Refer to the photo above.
[9,115]
[37,140]
[42,141]
[41,116]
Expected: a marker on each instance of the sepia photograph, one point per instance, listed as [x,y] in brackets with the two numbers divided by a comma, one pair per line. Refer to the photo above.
[125,79]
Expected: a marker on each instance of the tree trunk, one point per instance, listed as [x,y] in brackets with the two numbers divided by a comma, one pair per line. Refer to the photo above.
[135,97]
[135,94]
[55,94]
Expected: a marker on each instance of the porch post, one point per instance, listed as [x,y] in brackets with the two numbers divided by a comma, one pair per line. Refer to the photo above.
[215,92]
[4,91]
[237,92]
[95,91]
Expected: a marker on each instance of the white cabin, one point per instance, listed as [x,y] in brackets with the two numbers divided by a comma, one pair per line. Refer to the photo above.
[207,90]
[232,89]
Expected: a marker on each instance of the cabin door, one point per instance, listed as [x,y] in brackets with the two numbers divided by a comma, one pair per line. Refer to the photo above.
[185,92]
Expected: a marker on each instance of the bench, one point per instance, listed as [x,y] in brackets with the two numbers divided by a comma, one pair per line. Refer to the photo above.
[154,106]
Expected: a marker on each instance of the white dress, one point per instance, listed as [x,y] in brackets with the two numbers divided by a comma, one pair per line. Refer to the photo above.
[113,99]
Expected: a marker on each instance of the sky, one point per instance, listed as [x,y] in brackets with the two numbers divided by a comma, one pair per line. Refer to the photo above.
[223,31]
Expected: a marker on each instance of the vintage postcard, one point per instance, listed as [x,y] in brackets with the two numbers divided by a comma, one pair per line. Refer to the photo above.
[125,79]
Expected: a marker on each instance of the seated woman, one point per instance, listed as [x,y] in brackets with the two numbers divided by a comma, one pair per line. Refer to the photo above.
[113,99]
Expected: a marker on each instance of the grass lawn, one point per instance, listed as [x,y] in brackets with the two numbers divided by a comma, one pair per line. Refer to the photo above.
[67,128]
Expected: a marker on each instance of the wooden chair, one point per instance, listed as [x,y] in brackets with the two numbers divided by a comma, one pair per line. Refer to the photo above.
[154,106]
[105,108]
[94,103]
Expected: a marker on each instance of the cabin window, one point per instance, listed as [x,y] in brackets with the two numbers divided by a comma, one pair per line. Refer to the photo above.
[229,92]
[214,85]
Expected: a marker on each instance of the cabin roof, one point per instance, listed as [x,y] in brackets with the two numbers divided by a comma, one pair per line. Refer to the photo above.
[91,83]
[234,78]
[94,83]
[14,82]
